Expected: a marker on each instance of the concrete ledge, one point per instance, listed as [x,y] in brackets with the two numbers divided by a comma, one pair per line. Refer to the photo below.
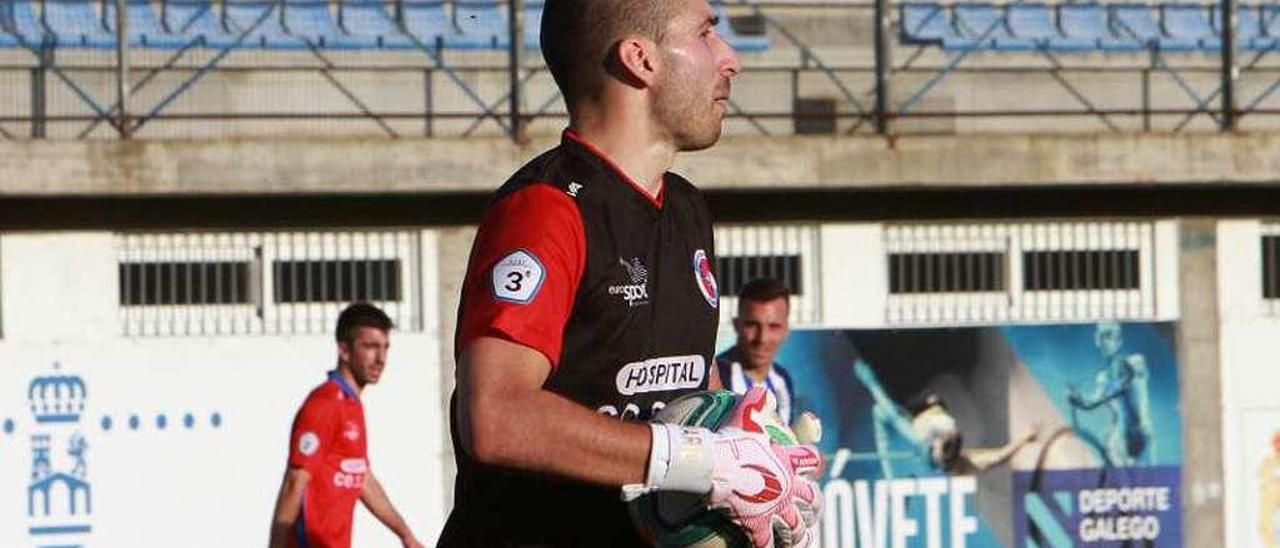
[372,166]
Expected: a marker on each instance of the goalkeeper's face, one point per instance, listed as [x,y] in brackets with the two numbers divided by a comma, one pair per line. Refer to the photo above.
[365,354]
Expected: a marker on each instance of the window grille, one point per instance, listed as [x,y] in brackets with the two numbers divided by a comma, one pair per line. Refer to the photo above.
[785,252]
[198,283]
[977,273]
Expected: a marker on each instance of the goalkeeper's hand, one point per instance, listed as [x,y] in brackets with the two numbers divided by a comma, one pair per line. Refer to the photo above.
[746,470]
[764,486]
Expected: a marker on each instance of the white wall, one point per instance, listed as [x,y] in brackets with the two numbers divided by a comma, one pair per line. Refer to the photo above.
[1251,380]
[190,486]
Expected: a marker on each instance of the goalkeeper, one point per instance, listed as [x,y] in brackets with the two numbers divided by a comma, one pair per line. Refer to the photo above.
[589,301]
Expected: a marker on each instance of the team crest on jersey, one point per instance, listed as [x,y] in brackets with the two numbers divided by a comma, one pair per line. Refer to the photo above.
[351,431]
[705,278]
[635,293]
[308,443]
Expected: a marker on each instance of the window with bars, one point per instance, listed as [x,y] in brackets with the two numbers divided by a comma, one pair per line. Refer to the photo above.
[1271,267]
[337,281]
[734,272]
[1065,270]
[965,273]
[960,272]
[287,282]
[185,283]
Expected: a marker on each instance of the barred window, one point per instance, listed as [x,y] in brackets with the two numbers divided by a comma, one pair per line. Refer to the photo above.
[1271,267]
[182,283]
[946,272]
[337,281]
[734,272]
[1081,270]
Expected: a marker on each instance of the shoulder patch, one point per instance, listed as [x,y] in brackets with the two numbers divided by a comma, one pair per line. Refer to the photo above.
[518,277]
[308,442]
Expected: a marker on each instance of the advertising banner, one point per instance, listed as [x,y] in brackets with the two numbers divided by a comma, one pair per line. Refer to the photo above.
[1045,436]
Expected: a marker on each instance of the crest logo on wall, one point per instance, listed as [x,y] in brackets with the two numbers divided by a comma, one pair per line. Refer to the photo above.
[59,495]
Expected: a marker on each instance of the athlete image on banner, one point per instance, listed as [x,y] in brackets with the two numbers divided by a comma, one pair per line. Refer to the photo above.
[1109,476]
[995,436]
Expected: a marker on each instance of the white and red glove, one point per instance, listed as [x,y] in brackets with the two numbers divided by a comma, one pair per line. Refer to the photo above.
[747,471]
[761,484]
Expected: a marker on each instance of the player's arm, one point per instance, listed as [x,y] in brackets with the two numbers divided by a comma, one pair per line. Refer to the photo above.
[982,459]
[288,506]
[375,499]
[1102,395]
[508,419]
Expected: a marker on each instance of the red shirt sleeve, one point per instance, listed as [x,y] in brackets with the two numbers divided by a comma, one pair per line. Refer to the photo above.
[525,267]
[313,433]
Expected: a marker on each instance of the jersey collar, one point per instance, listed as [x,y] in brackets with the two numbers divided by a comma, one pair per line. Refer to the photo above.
[337,377]
[571,136]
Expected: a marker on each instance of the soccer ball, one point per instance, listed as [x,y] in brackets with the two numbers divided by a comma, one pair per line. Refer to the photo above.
[683,520]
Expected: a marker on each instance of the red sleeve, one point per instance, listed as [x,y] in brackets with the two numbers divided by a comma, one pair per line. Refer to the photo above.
[525,267]
[312,435]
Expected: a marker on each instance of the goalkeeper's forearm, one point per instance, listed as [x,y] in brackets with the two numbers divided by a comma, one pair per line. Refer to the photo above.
[545,433]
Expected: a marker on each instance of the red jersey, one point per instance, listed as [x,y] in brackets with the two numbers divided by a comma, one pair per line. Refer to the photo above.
[328,441]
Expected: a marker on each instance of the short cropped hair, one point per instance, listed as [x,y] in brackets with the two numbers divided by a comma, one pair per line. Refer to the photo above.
[357,315]
[762,290]
[579,37]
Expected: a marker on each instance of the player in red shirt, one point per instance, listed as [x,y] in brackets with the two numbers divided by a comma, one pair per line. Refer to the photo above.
[328,453]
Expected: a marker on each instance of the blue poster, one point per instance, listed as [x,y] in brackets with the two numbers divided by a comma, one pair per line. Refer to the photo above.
[1042,436]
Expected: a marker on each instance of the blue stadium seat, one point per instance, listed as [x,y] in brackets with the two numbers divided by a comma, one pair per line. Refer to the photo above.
[1187,27]
[77,24]
[196,20]
[1033,22]
[1089,23]
[22,26]
[313,23]
[240,17]
[8,38]
[483,20]
[430,23]
[739,42]
[981,26]
[1248,27]
[924,24]
[1134,22]
[145,29]
[1270,24]
[370,20]
[533,25]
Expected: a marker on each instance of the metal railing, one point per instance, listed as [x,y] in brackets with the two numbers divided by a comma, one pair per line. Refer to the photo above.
[831,67]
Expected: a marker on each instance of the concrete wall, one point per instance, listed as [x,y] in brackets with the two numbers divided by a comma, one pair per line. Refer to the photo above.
[425,166]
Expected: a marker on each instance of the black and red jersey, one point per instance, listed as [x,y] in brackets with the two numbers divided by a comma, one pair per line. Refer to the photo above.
[616,289]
